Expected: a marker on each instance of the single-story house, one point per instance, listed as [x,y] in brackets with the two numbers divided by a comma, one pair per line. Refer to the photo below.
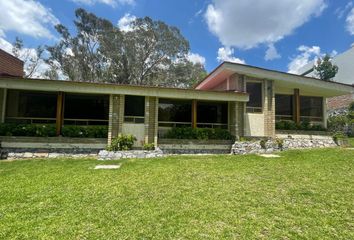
[245,100]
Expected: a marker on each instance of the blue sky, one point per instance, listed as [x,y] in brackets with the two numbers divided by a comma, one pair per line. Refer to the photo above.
[293,32]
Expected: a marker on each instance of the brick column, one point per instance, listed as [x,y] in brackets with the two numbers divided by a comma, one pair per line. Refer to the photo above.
[116,116]
[151,120]
[269,109]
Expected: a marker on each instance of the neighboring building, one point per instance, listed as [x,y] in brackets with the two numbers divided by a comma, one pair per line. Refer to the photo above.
[345,63]
[245,100]
[10,65]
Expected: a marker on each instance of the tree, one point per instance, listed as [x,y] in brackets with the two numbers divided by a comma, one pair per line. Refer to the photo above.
[325,69]
[149,53]
[32,58]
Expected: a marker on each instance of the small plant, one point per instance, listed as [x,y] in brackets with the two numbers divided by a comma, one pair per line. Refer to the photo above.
[122,143]
[199,133]
[280,143]
[149,146]
[338,137]
[263,143]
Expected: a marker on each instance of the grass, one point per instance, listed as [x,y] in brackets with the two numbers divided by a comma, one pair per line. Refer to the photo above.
[302,195]
[351,141]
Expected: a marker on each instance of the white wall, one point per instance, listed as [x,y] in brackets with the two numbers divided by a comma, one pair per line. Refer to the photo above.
[136,129]
[254,124]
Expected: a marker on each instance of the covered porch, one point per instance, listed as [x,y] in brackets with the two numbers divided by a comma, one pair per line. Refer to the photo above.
[146,112]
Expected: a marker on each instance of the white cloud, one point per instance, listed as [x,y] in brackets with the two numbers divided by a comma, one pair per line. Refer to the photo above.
[26,17]
[247,23]
[271,53]
[196,58]
[307,55]
[227,54]
[27,53]
[350,22]
[342,10]
[112,3]
[124,23]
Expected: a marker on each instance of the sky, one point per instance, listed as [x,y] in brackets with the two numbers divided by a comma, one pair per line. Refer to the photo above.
[282,35]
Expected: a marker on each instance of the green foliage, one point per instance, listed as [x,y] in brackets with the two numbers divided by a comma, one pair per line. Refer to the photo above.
[303,126]
[149,146]
[49,130]
[29,130]
[85,131]
[263,143]
[122,143]
[280,143]
[152,53]
[343,123]
[199,133]
[338,136]
[325,69]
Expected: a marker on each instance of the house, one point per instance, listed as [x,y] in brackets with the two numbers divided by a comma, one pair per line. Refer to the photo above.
[245,100]
[345,63]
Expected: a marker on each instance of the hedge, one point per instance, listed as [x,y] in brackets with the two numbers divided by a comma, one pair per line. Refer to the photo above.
[305,126]
[199,133]
[49,130]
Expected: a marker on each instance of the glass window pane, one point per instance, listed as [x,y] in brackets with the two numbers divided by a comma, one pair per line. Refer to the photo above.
[284,105]
[134,106]
[31,104]
[311,106]
[175,110]
[211,112]
[80,106]
[255,91]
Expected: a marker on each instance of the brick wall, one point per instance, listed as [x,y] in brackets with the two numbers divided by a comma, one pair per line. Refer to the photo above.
[269,109]
[116,116]
[151,121]
[10,65]
[339,102]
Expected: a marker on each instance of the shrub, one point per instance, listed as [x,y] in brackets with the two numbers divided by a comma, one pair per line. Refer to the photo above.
[149,146]
[338,136]
[199,133]
[305,125]
[49,130]
[85,131]
[30,130]
[263,143]
[280,143]
[122,143]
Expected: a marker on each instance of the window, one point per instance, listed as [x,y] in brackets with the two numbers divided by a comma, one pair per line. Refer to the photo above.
[31,106]
[175,113]
[311,108]
[134,109]
[254,89]
[283,107]
[84,109]
[212,114]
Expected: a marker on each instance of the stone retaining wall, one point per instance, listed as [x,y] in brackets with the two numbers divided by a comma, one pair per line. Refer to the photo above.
[272,145]
[12,154]
[108,155]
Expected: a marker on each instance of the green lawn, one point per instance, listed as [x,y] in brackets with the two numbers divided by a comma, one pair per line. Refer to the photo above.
[302,195]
